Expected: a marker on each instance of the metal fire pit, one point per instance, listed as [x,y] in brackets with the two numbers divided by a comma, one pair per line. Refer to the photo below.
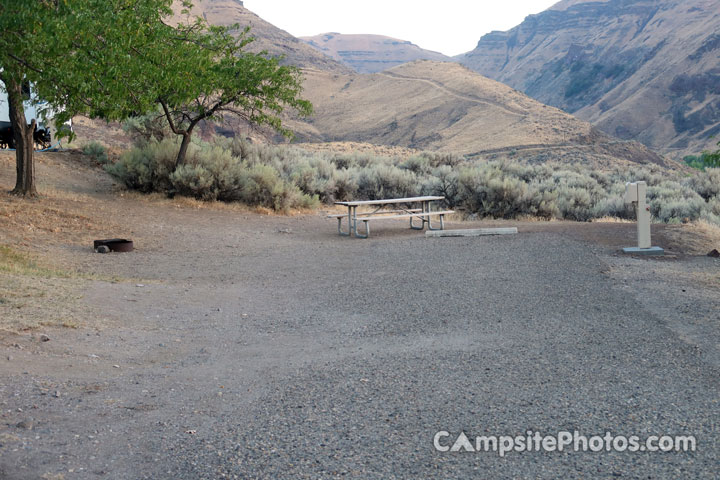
[114,245]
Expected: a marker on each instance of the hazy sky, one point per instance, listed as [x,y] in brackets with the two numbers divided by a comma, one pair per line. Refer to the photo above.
[447,26]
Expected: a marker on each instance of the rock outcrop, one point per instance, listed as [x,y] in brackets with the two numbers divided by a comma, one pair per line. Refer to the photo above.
[647,70]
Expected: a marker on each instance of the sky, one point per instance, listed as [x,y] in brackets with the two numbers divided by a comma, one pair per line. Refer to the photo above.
[446,26]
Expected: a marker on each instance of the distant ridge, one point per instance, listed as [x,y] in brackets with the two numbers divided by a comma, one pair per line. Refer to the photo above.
[646,70]
[370,53]
[268,37]
[445,106]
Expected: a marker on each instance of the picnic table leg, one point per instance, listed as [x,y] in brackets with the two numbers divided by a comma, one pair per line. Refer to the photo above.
[352,216]
[422,220]
[442,223]
[367,230]
[349,232]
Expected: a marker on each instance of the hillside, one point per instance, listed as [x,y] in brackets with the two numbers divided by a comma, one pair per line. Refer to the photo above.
[267,36]
[426,105]
[445,106]
[646,70]
[370,53]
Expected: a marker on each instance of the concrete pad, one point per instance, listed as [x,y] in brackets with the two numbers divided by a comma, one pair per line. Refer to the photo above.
[474,232]
[644,251]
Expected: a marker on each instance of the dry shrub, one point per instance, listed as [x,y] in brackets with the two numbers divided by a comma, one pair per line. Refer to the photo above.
[281,177]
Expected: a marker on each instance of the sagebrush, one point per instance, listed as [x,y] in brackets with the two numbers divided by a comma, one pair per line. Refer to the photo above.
[284,177]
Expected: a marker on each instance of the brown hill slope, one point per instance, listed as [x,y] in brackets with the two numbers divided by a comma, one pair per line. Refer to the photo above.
[445,106]
[370,53]
[267,36]
[647,70]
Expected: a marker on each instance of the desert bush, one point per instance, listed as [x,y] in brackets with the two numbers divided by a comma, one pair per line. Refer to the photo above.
[261,185]
[676,211]
[613,206]
[419,165]
[209,173]
[706,184]
[281,178]
[346,187]
[147,168]
[485,191]
[574,203]
[96,151]
[194,181]
[386,181]
[315,176]
[443,182]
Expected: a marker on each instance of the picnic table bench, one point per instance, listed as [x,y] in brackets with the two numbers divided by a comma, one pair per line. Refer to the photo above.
[387,209]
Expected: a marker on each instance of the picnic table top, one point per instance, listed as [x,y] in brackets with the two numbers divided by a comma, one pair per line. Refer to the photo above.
[390,200]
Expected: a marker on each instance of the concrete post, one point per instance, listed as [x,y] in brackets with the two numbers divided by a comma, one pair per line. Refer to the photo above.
[635,193]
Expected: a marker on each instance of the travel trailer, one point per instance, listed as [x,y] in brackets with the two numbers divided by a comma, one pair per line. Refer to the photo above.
[34,108]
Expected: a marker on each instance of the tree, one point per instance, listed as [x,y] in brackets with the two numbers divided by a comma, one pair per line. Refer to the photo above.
[712,159]
[113,58]
[215,77]
[82,57]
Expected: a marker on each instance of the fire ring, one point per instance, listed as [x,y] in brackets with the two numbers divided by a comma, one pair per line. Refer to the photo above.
[114,245]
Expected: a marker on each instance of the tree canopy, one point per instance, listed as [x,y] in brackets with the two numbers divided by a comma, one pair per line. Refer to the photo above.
[113,58]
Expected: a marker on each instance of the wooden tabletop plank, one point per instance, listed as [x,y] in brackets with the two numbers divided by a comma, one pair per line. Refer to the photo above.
[404,215]
[390,200]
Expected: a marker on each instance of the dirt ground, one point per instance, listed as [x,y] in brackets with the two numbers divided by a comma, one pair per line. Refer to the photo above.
[93,344]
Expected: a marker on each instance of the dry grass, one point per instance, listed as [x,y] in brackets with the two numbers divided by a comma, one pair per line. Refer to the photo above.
[347,148]
[696,238]
[34,295]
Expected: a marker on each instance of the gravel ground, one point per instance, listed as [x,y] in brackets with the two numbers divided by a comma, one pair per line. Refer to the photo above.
[268,347]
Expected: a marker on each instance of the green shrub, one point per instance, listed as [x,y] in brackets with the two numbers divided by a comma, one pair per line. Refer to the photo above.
[96,151]
[574,204]
[281,178]
[147,168]
[443,182]
[386,181]
[706,184]
[486,192]
[676,211]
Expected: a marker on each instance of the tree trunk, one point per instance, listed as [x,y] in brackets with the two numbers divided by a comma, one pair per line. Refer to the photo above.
[186,137]
[23,135]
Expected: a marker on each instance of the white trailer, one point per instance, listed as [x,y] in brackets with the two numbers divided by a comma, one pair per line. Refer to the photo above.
[34,109]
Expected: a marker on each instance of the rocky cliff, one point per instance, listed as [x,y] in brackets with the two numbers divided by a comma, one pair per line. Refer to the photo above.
[647,70]
[370,53]
[267,36]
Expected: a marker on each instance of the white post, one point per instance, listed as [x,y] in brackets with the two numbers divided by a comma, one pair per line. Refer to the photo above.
[642,210]
[635,193]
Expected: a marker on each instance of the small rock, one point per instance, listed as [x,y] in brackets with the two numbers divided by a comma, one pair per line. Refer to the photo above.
[26,424]
[116,366]
[139,285]
[714,253]
[9,357]
[56,394]
[44,338]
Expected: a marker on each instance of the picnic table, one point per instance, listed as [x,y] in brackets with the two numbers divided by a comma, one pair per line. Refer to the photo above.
[387,209]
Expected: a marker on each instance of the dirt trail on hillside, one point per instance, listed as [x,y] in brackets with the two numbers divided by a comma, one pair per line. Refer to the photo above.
[446,90]
[232,344]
